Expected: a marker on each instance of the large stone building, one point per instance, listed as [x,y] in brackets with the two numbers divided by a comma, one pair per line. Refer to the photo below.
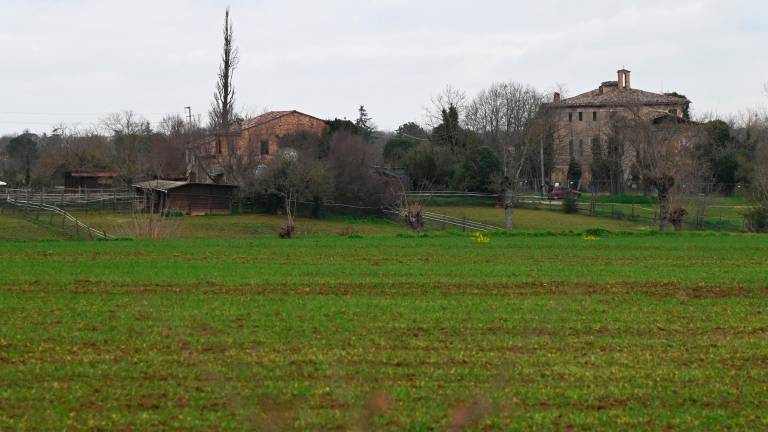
[255,139]
[582,120]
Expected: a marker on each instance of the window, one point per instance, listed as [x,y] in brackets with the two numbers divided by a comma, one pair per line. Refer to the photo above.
[570,149]
[265,147]
[218,146]
[570,117]
[594,115]
[581,116]
[581,148]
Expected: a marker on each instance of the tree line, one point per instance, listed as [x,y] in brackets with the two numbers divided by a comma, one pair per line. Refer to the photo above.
[501,140]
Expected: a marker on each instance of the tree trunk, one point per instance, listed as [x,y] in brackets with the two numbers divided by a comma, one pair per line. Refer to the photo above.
[316,205]
[663,196]
[509,197]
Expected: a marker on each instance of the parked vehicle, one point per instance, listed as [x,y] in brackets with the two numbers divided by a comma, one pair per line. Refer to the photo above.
[559,192]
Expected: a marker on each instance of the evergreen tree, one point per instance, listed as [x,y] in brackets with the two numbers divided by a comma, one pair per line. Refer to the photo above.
[222,112]
[574,173]
[449,133]
[365,124]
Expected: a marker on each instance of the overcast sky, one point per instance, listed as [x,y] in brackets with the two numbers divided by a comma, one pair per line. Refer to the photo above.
[76,61]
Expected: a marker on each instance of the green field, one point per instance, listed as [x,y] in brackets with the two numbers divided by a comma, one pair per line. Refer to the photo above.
[393,331]
[15,228]
[245,226]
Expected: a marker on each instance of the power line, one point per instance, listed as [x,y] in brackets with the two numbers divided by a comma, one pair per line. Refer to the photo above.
[83,114]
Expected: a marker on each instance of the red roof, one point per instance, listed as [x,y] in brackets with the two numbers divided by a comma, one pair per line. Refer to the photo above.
[270,116]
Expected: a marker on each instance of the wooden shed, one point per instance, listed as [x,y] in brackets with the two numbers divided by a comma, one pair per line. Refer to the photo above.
[89,179]
[189,198]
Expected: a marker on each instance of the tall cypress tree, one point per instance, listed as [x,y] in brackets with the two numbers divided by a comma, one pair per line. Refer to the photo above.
[222,112]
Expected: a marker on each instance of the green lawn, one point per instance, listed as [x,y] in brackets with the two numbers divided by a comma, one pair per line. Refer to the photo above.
[396,332]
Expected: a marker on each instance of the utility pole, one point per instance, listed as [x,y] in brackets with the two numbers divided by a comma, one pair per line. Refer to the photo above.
[541,153]
[189,118]
[188,155]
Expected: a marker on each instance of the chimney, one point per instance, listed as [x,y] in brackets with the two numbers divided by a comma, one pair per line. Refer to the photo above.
[556,97]
[624,79]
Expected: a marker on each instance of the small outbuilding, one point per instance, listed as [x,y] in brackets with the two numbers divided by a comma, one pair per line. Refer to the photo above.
[189,198]
[89,179]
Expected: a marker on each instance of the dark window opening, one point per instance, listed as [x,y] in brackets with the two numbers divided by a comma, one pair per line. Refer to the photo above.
[265,147]
[581,116]
[218,146]
[594,116]
[570,117]
[581,147]
[570,148]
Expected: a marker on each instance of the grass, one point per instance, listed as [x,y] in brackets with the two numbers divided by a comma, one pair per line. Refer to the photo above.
[526,332]
[242,226]
[14,228]
[530,219]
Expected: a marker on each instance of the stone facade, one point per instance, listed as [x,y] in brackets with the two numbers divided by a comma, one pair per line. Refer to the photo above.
[582,119]
[257,136]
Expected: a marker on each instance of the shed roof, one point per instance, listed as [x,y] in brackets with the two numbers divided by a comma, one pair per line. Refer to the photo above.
[92,173]
[166,185]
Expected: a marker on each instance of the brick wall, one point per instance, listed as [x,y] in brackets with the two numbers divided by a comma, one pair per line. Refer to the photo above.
[271,131]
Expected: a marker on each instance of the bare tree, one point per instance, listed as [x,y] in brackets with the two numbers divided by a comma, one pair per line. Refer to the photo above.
[294,178]
[240,164]
[222,112]
[167,146]
[448,97]
[759,178]
[131,150]
[71,149]
[661,152]
[505,115]
[351,162]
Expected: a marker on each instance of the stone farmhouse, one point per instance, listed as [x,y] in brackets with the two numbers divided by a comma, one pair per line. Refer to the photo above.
[257,138]
[582,120]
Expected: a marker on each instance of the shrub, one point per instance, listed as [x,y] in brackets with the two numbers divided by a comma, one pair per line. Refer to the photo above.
[570,204]
[757,219]
[596,232]
[172,212]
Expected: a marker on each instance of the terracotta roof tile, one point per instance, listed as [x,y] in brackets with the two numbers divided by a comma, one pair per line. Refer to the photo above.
[264,118]
[619,97]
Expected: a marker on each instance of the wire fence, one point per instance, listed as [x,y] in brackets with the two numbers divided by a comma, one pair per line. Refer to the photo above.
[85,200]
[53,217]
[81,199]
[710,218]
